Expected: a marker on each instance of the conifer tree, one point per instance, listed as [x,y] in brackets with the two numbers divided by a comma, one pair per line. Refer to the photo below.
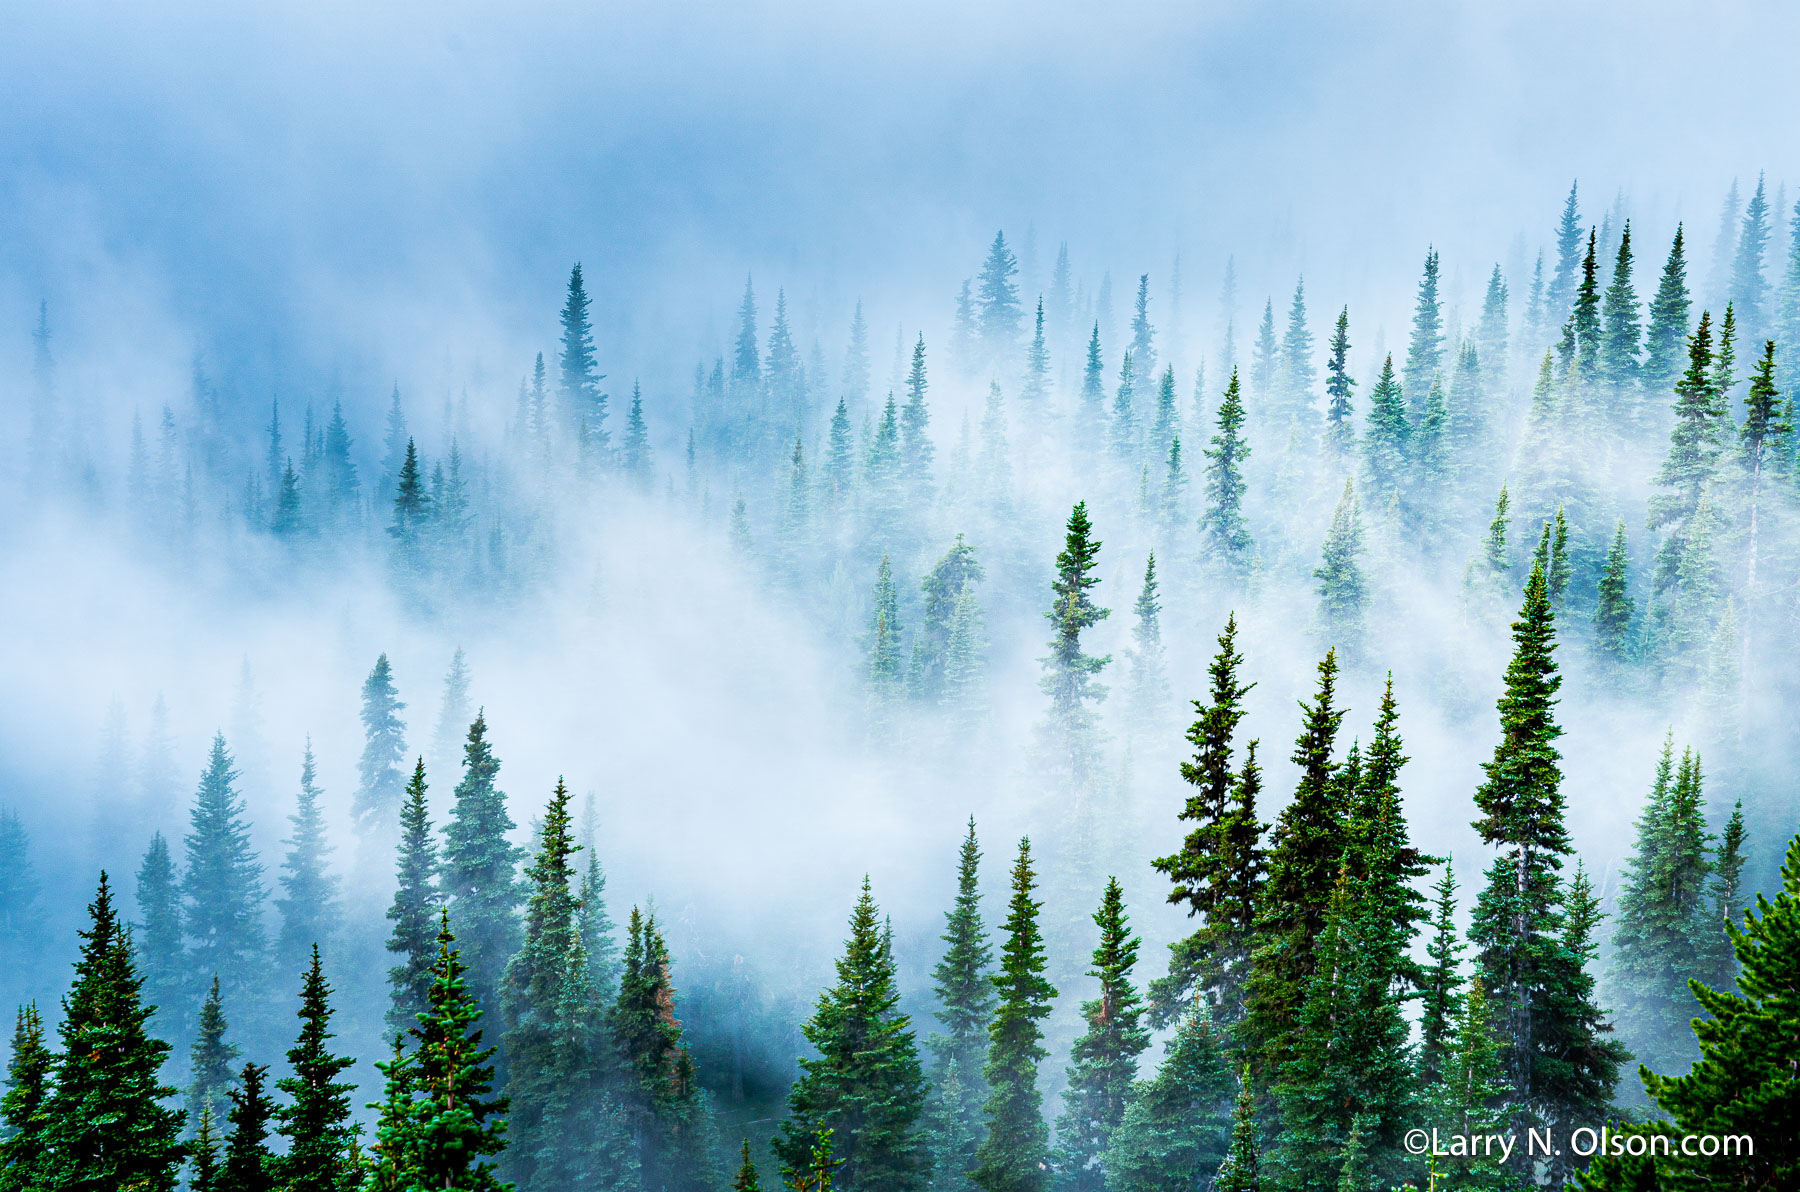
[1615,608]
[1749,294]
[594,924]
[1173,1132]
[1069,671]
[1241,1170]
[105,1128]
[480,869]
[1123,430]
[221,889]
[157,937]
[1143,336]
[1620,342]
[1148,690]
[866,1085]
[1104,1059]
[1343,592]
[1174,491]
[998,313]
[941,587]
[203,1152]
[1425,350]
[1014,1155]
[1166,425]
[1561,291]
[634,446]
[886,673]
[1727,895]
[412,503]
[380,780]
[1442,1000]
[310,915]
[458,1122]
[965,662]
[453,710]
[210,1061]
[1220,866]
[317,1120]
[23,1120]
[1491,336]
[579,378]
[1578,1083]
[1385,435]
[1744,1083]
[1037,372]
[963,983]
[416,899]
[1468,1095]
[1223,523]
[247,1165]
[1340,410]
[1091,415]
[1668,328]
[1304,855]
[856,360]
[1585,326]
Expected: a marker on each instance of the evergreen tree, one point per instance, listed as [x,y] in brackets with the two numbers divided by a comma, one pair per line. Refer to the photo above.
[1305,851]
[1467,1097]
[1620,340]
[886,674]
[1148,691]
[1143,336]
[210,1060]
[634,447]
[412,502]
[1749,294]
[583,403]
[1297,370]
[866,1085]
[1340,409]
[1615,608]
[1220,866]
[1578,1082]
[416,898]
[1037,372]
[221,888]
[1585,326]
[480,869]
[157,937]
[1727,894]
[1695,445]
[380,779]
[1491,337]
[1174,1131]
[746,357]
[310,916]
[247,1164]
[856,360]
[916,448]
[1343,592]
[963,983]
[204,1154]
[965,663]
[1104,1058]
[453,711]
[23,1120]
[1167,424]
[317,1120]
[1745,1082]
[1442,1001]
[1091,414]
[1241,1170]
[1425,350]
[1385,435]
[1668,328]
[1014,1155]
[998,313]
[457,1122]
[1561,291]
[941,587]
[1124,428]
[105,1128]
[1223,522]
[1069,671]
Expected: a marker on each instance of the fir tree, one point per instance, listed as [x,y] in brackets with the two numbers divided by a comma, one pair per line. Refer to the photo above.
[412,501]
[1469,1093]
[104,1127]
[1223,522]
[458,1123]
[1385,435]
[1340,409]
[962,980]
[634,447]
[23,1120]
[916,448]
[1619,344]
[866,1085]
[1728,903]
[453,710]
[1104,1058]
[998,313]
[210,1060]
[1491,336]
[480,869]
[203,1152]
[1123,430]
[579,379]
[1343,591]
[1241,1170]
[1091,413]
[221,888]
[1561,291]
[1425,350]
[317,1120]
[1167,424]
[1442,997]
[1615,608]
[1143,336]
[247,1165]
[1037,372]
[310,916]
[886,674]
[856,360]
[1069,671]
[1173,1133]
[1014,1155]
[416,897]
[1585,325]
[1148,692]
[594,924]
[1265,358]
[1579,1080]
[746,357]
[157,937]
[1668,328]
[380,779]
[1749,294]
[965,662]
[941,587]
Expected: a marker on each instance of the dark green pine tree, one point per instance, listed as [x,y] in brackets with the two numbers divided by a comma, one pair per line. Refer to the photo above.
[210,1061]
[1340,408]
[310,914]
[1297,372]
[1343,590]
[105,1127]
[381,780]
[1668,328]
[340,470]
[457,1122]
[23,1121]
[1385,436]
[1665,918]
[963,983]
[1442,998]
[1220,867]
[1745,1082]
[1728,902]
[248,1165]
[1147,691]
[203,1153]
[1223,524]
[480,869]
[1305,852]
[1577,1084]
[1014,1156]
[1468,1097]
[414,909]
[584,406]
[566,1125]
[1104,1059]
[1585,324]
[1071,730]
[1425,350]
[157,936]
[1615,609]
[317,1122]
[1620,342]
[866,1085]
[1175,1129]
[221,890]
[412,503]
[1242,1169]
[887,674]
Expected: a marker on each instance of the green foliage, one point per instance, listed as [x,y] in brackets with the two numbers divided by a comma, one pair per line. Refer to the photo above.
[1173,1134]
[963,983]
[1223,523]
[210,1061]
[317,1123]
[1425,350]
[1343,590]
[479,871]
[23,1117]
[1386,435]
[1442,998]
[248,1165]
[414,909]
[221,890]
[380,779]
[579,379]
[1340,408]
[1069,671]
[157,938]
[1668,327]
[310,914]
